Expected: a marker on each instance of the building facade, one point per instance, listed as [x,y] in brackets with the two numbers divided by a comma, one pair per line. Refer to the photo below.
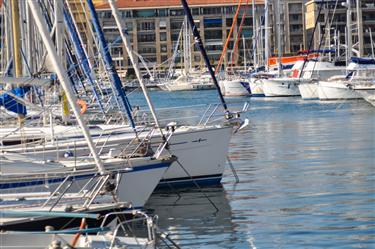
[154,28]
[332,29]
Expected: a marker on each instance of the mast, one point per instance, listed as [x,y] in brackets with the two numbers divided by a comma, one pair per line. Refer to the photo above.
[186,46]
[244,53]
[278,25]
[16,39]
[359,27]
[255,61]
[82,57]
[372,44]
[266,34]
[349,28]
[59,41]
[238,37]
[17,47]
[199,44]
[223,53]
[125,40]
[64,80]
[110,67]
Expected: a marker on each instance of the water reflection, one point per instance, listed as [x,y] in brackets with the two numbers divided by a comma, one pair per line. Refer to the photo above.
[307,180]
[190,218]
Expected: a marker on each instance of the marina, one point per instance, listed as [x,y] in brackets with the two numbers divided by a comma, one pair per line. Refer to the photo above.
[180,124]
[306,173]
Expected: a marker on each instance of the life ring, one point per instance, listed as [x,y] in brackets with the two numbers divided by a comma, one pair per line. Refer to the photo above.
[83,105]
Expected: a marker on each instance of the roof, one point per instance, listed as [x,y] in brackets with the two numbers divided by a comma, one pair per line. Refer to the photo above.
[146,4]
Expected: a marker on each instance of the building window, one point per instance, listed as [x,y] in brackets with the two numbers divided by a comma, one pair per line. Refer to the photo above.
[129,26]
[213,23]
[247,22]
[145,13]
[106,14]
[163,48]
[164,58]
[116,51]
[163,36]
[195,11]
[295,17]
[211,10]
[146,38]
[147,50]
[229,22]
[174,36]
[146,25]
[150,58]
[230,10]
[176,24]
[126,13]
[163,24]
[163,12]
[176,12]
[213,34]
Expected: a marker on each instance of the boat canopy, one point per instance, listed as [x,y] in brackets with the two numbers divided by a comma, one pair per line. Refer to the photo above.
[10,103]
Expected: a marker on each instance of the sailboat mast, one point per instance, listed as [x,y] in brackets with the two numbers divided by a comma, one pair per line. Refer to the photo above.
[186,47]
[349,28]
[64,79]
[110,67]
[278,24]
[255,59]
[199,44]
[244,53]
[128,48]
[223,53]
[359,27]
[266,33]
[16,38]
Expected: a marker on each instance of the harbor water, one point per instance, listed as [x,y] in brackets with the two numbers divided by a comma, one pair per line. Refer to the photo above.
[307,178]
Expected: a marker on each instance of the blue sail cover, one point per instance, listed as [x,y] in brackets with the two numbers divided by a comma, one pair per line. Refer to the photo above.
[13,105]
[364,61]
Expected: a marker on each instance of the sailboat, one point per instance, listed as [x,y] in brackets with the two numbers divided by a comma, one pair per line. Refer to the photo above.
[359,71]
[19,172]
[188,79]
[86,236]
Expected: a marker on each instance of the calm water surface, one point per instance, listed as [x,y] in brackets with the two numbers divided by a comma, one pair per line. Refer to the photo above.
[307,179]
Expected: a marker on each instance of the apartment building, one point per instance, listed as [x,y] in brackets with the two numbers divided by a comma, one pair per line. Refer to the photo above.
[332,29]
[154,28]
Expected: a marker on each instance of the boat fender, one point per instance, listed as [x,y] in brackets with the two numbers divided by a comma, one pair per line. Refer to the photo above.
[68,154]
[172,126]
[83,105]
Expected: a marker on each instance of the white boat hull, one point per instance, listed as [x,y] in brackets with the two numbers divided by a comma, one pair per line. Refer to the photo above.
[202,154]
[256,88]
[235,88]
[186,87]
[367,91]
[309,90]
[144,176]
[369,96]
[280,87]
[336,91]
[189,144]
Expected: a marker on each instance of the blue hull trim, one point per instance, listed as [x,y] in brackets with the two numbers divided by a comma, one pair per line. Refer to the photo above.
[20,184]
[185,182]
